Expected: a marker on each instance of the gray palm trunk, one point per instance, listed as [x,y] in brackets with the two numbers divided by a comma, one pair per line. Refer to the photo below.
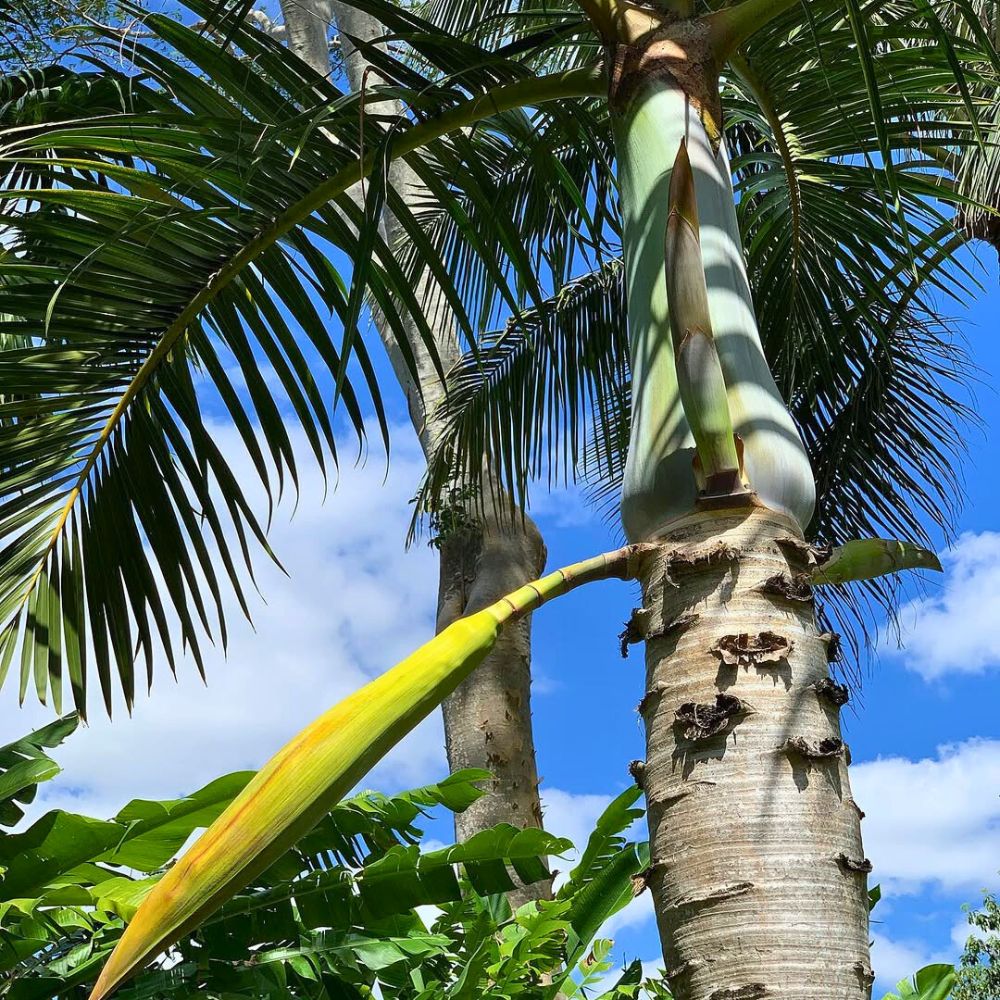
[758,874]
[488,719]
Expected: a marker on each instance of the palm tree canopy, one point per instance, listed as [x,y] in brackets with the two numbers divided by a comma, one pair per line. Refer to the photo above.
[192,219]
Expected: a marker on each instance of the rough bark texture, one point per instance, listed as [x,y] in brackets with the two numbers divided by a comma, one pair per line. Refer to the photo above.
[488,720]
[758,873]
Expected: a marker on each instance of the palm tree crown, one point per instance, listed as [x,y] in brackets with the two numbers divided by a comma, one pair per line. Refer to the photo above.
[178,226]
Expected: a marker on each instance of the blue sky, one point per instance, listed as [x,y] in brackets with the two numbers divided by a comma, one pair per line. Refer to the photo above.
[925,742]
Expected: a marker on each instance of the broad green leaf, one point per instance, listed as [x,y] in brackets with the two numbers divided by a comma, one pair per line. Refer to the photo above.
[24,765]
[608,877]
[933,982]
[144,836]
[405,878]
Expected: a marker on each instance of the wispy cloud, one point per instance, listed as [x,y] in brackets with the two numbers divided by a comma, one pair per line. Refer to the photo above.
[895,960]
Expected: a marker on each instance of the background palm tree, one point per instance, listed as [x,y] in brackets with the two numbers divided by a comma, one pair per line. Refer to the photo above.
[487,722]
[223,191]
[488,719]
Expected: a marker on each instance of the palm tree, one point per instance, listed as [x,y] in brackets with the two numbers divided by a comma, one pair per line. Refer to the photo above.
[488,719]
[758,872]
[487,722]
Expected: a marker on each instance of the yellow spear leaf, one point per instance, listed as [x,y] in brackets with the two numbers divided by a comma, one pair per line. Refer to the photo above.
[306,778]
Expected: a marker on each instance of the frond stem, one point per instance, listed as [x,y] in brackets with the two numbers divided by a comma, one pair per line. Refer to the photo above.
[623,563]
[732,26]
[603,16]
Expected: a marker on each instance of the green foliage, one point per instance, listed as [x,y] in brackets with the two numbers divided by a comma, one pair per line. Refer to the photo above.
[178,246]
[979,969]
[933,982]
[851,297]
[610,872]
[169,252]
[355,907]
[142,837]
[36,31]
[24,765]
[454,517]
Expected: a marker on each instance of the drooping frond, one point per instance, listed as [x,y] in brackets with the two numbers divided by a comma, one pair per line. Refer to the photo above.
[162,259]
[538,202]
[550,175]
[172,247]
[848,298]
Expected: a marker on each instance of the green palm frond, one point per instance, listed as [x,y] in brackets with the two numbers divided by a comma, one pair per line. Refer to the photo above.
[551,176]
[548,36]
[978,167]
[173,246]
[978,172]
[168,256]
[848,298]
[527,396]
[849,301]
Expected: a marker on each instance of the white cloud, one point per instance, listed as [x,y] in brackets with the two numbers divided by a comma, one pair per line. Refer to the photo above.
[894,960]
[961,932]
[567,814]
[636,914]
[933,822]
[564,507]
[573,816]
[354,602]
[955,630]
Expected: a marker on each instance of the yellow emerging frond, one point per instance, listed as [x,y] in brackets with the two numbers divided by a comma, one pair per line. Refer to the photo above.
[304,779]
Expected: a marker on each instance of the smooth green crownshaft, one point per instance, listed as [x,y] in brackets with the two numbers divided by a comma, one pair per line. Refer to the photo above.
[661,484]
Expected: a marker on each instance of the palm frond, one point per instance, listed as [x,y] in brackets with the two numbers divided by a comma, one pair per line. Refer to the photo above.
[526,395]
[978,167]
[551,176]
[159,254]
[851,301]
[161,257]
